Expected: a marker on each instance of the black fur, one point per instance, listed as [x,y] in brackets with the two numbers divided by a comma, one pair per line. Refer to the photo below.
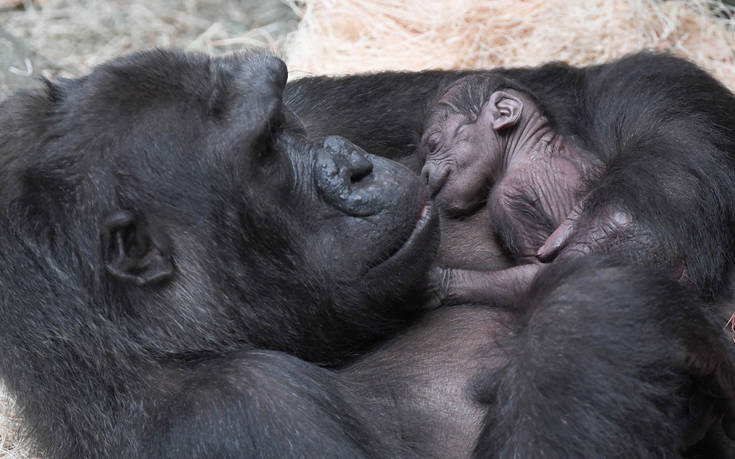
[176,251]
[610,360]
[164,217]
[665,131]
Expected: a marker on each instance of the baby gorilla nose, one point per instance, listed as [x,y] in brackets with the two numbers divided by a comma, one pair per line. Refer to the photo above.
[345,177]
[435,177]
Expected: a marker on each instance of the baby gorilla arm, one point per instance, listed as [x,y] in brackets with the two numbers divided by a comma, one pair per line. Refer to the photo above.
[461,286]
[607,227]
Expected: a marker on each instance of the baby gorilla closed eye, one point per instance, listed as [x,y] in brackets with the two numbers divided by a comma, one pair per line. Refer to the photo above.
[635,160]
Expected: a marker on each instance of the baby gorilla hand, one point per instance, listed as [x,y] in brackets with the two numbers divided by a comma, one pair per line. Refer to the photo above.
[582,234]
[608,229]
[450,286]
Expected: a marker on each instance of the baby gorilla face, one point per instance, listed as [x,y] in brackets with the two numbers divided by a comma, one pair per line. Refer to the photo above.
[462,155]
[465,138]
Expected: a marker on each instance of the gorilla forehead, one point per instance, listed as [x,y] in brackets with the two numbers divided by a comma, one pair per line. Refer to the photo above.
[177,122]
[135,83]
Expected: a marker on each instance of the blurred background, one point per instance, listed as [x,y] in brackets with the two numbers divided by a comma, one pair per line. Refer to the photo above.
[51,38]
[68,37]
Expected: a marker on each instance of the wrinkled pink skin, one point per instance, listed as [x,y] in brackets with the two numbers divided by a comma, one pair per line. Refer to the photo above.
[535,180]
[503,288]
[533,175]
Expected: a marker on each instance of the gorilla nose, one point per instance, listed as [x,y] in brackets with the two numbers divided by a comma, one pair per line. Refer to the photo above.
[344,175]
[355,164]
[435,177]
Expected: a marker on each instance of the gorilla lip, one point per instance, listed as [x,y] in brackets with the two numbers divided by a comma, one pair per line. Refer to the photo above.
[420,235]
[425,206]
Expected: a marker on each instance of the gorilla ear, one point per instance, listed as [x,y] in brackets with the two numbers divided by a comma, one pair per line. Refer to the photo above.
[506,109]
[133,252]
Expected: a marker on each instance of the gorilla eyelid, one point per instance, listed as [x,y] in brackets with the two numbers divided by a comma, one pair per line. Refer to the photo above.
[460,129]
[433,142]
[263,145]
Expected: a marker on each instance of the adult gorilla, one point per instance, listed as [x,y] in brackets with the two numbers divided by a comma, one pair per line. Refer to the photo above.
[165,214]
[174,249]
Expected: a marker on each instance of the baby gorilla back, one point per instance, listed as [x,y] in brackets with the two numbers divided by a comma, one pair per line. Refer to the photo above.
[664,131]
[538,191]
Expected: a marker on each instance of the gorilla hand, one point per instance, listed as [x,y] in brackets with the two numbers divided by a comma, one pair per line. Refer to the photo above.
[460,286]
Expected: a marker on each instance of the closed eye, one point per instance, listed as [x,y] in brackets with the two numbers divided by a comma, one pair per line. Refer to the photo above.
[433,142]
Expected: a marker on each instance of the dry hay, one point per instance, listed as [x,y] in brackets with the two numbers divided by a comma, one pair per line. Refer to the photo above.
[12,444]
[76,35]
[68,37]
[345,36]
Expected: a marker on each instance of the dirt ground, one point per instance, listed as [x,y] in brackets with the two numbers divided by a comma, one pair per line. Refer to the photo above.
[68,37]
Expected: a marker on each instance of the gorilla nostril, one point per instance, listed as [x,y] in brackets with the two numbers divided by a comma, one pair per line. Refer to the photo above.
[360,167]
[347,177]
[435,177]
[354,163]
[425,175]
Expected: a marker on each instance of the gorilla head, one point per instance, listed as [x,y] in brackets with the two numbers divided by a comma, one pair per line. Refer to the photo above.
[163,218]
[174,202]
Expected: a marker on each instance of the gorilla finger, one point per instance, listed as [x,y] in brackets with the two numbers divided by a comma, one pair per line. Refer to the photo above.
[557,240]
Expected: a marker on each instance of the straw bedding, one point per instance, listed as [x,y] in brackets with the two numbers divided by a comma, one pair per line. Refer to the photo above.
[345,36]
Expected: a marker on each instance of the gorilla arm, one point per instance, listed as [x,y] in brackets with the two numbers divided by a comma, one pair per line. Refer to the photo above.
[269,404]
[611,360]
[499,288]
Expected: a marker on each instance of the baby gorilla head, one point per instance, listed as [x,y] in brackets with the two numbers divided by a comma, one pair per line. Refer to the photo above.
[487,134]
[465,138]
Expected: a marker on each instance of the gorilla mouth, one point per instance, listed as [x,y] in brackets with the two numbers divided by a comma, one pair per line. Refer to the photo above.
[417,239]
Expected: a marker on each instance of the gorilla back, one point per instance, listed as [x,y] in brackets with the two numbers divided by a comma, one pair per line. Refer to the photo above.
[163,217]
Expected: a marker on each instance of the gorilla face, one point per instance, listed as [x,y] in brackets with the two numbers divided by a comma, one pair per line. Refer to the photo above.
[180,197]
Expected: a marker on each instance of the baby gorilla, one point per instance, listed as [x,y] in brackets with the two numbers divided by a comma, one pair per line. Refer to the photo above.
[624,170]
[487,134]
[486,131]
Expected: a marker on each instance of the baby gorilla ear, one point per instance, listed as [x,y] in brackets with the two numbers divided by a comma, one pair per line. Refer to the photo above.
[505,109]
[132,251]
